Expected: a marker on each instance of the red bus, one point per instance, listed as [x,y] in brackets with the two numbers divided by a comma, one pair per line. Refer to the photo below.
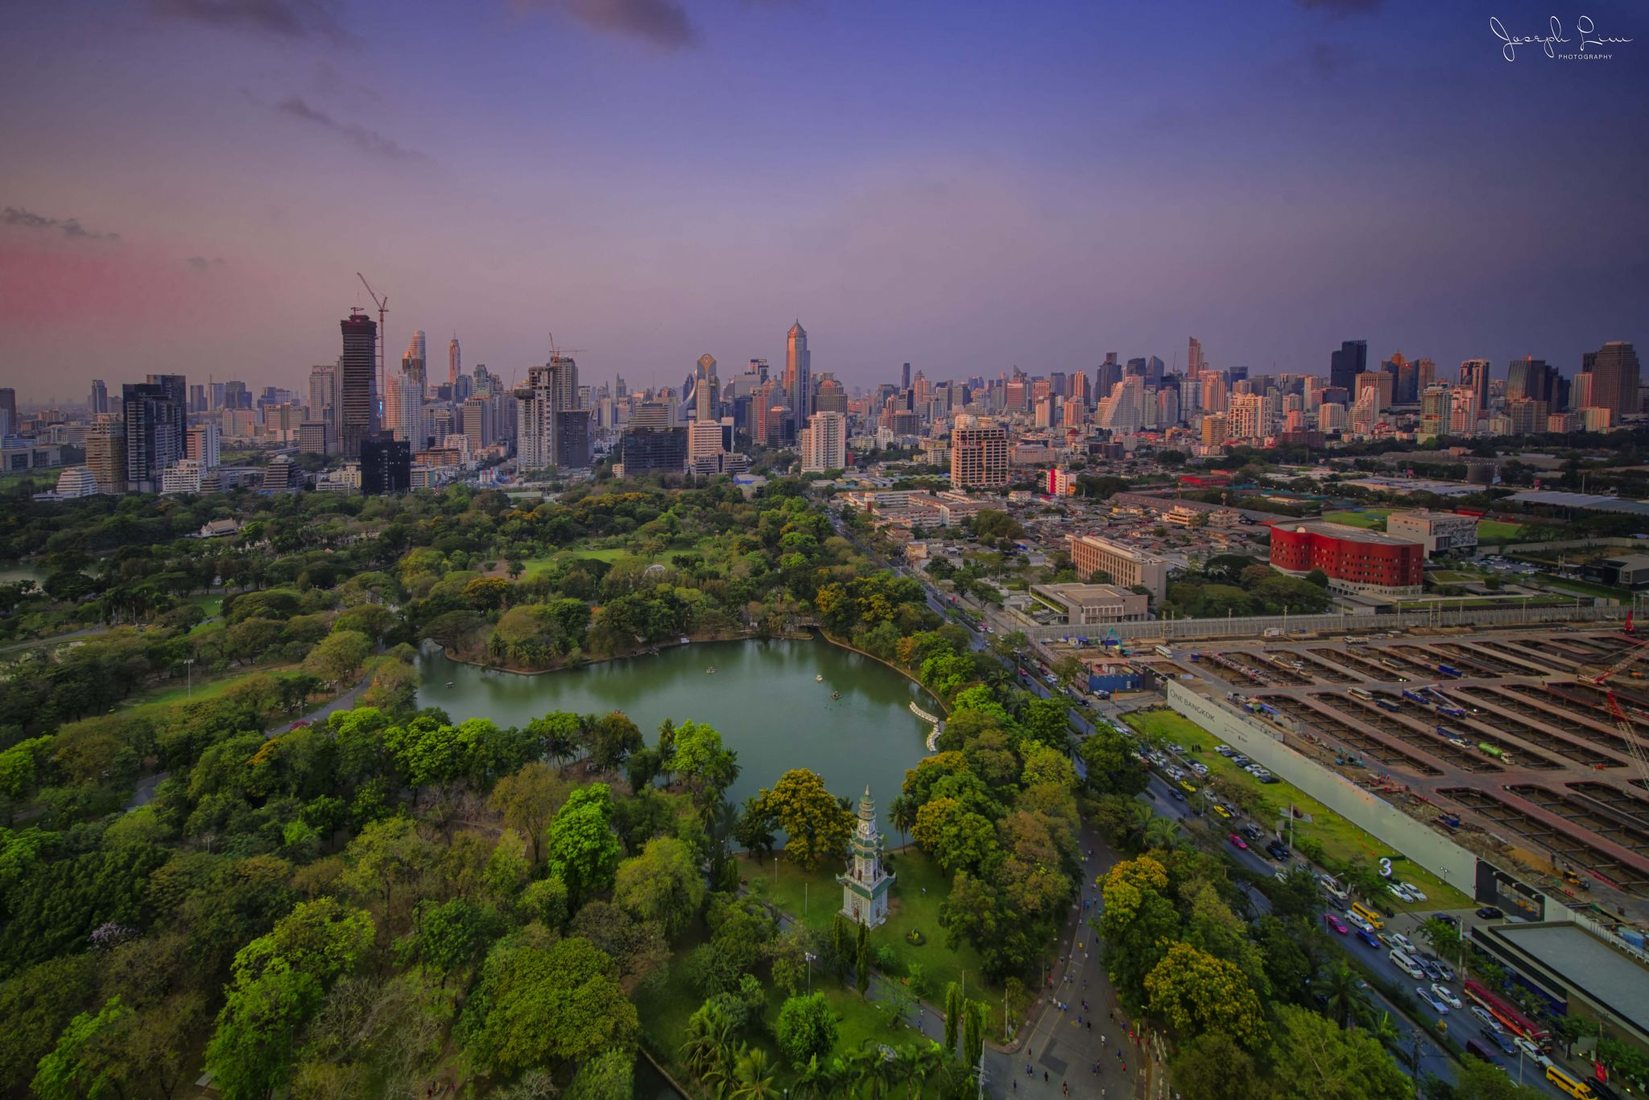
[1510,1018]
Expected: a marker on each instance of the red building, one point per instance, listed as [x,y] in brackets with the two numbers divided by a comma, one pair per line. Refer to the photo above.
[1364,563]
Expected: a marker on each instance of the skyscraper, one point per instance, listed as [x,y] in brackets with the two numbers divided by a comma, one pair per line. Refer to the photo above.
[1193,360]
[8,411]
[155,425]
[99,404]
[904,378]
[823,443]
[177,392]
[798,373]
[1615,378]
[413,361]
[978,454]
[357,383]
[551,389]
[704,388]
[1346,364]
[1474,375]
[455,360]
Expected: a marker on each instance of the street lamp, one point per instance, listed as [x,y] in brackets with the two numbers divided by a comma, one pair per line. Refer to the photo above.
[189,676]
[810,957]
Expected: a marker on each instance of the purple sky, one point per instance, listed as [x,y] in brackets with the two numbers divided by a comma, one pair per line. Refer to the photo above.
[191,185]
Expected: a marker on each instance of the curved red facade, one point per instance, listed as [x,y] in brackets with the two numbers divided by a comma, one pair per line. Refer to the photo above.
[1357,559]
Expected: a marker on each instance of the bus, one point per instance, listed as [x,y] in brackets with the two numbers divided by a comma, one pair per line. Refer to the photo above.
[1570,1084]
[1414,697]
[1164,651]
[1509,1016]
[1368,914]
[1361,693]
[1389,704]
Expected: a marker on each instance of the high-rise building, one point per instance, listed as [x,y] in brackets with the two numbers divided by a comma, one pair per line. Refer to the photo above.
[1615,378]
[197,398]
[1405,379]
[202,445]
[1436,412]
[829,395]
[1246,416]
[106,455]
[1381,383]
[705,385]
[357,383]
[1107,376]
[386,465]
[176,388]
[904,377]
[99,404]
[155,421]
[551,389]
[798,372]
[455,360]
[323,399]
[413,362]
[8,411]
[1193,360]
[653,450]
[823,443]
[978,454]
[1213,392]
[1474,374]
[1346,364]
[1532,378]
[1214,427]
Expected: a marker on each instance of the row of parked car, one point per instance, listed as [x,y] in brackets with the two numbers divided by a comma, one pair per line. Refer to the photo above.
[1258,771]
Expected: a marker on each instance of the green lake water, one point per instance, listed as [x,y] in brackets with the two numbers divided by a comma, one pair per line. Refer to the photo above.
[764,698]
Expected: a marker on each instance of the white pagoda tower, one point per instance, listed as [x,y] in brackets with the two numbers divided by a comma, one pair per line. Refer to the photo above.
[865,884]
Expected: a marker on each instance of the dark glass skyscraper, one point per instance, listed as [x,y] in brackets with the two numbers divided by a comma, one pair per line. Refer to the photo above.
[155,428]
[386,465]
[1346,364]
[357,383]
[1615,378]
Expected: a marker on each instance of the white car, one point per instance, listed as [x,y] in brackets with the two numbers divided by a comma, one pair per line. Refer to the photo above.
[1488,1021]
[1414,891]
[1533,1051]
[1397,939]
[1445,995]
[1358,922]
[1399,892]
[1431,999]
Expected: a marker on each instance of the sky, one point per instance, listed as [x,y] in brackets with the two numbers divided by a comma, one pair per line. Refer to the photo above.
[192,185]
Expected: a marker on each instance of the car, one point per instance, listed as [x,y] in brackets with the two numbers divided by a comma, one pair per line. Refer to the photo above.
[1488,1021]
[1433,971]
[1405,964]
[1238,842]
[1370,937]
[1532,1050]
[1281,875]
[1269,778]
[1443,968]
[1490,912]
[1399,940]
[1396,890]
[1251,831]
[1446,995]
[1452,922]
[1358,922]
[1414,891]
[1178,794]
[1277,850]
[1501,1040]
[1431,999]
[1336,923]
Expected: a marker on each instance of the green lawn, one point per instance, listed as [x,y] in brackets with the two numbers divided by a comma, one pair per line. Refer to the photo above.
[204,687]
[1454,576]
[909,908]
[1372,518]
[1341,840]
[1583,588]
[1494,530]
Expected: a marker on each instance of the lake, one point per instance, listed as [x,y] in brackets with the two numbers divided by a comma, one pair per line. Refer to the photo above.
[764,699]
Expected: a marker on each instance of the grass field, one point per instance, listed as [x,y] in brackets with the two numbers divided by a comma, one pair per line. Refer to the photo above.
[1583,588]
[204,687]
[1494,530]
[915,896]
[1372,518]
[1454,576]
[1341,840]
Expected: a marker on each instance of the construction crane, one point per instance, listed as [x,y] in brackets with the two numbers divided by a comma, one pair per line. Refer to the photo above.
[559,352]
[1623,721]
[383,313]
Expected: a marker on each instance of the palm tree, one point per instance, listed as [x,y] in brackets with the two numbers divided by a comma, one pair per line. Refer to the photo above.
[1338,985]
[1138,821]
[754,1076]
[902,812]
[709,1043]
[1383,1029]
[1161,832]
[818,1080]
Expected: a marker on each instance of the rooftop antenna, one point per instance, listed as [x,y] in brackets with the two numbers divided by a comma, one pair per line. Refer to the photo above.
[383,312]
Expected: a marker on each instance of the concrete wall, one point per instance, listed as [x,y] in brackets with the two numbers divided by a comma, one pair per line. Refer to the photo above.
[1455,865]
[1186,629]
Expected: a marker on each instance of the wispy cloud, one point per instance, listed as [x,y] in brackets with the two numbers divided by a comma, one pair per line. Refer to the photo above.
[201,263]
[69,227]
[368,141]
[663,23]
[295,19]
[1341,7]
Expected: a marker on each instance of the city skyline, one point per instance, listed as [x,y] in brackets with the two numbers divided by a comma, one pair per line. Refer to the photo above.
[964,190]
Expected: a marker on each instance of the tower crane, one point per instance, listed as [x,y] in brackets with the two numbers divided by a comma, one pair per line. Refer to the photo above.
[383,335]
[560,352]
[1623,721]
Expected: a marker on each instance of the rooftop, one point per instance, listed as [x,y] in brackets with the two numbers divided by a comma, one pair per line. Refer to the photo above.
[1343,532]
[1605,975]
[1593,502]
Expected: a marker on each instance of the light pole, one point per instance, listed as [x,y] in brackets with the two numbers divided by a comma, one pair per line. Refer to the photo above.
[189,676]
[809,956]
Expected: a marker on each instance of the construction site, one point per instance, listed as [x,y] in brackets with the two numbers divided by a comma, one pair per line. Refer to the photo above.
[1526,744]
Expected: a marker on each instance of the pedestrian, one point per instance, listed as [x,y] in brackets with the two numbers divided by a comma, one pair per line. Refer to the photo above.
[1090,1025]
[1065,1087]
[1044,1077]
